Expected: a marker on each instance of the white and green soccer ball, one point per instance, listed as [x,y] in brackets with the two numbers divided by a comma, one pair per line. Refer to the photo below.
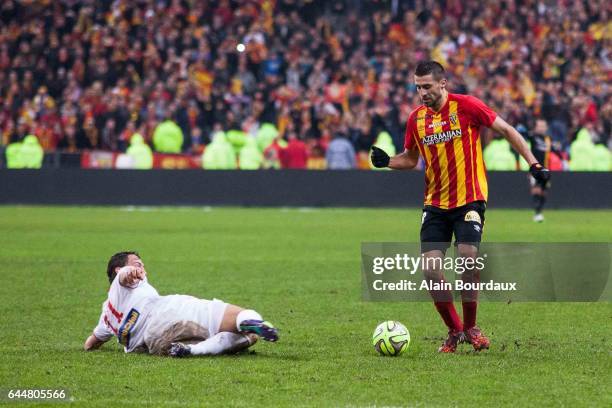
[391,338]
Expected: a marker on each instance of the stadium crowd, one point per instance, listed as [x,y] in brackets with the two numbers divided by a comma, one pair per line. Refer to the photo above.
[89,74]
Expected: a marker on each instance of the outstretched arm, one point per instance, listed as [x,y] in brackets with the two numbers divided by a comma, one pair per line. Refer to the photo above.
[537,170]
[515,139]
[406,160]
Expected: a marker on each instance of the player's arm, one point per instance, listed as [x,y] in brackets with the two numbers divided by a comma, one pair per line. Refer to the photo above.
[515,139]
[518,143]
[93,343]
[406,160]
[100,335]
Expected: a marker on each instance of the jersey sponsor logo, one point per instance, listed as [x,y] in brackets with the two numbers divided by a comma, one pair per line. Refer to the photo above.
[472,216]
[128,325]
[441,137]
[436,124]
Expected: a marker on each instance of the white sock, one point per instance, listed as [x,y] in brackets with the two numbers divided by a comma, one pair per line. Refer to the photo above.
[222,342]
[247,314]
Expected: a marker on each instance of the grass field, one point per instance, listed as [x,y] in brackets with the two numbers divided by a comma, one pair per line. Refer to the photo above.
[301,270]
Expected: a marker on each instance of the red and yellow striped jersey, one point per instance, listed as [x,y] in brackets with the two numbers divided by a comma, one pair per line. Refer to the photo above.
[449,142]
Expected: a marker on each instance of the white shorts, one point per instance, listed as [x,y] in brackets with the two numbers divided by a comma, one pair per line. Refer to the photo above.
[182,318]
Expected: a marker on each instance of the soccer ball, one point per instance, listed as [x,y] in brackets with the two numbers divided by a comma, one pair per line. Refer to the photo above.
[391,338]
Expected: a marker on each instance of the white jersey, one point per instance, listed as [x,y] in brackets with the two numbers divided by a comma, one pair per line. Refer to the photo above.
[125,312]
[143,320]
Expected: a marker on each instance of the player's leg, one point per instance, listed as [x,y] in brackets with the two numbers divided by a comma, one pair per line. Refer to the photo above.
[436,234]
[236,330]
[538,197]
[443,300]
[469,300]
[544,186]
[468,227]
[239,320]
[220,343]
[239,329]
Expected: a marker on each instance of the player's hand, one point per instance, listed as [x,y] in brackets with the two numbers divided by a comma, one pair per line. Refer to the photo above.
[134,275]
[540,173]
[379,157]
[138,273]
[130,275]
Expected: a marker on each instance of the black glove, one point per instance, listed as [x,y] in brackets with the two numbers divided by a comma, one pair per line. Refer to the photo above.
[540,173]
[379,157]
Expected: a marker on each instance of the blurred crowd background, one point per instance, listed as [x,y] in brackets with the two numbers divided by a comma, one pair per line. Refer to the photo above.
[301,83]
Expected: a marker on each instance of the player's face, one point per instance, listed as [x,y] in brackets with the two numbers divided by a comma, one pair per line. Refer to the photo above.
[429,90]
[541,127]
[133,260]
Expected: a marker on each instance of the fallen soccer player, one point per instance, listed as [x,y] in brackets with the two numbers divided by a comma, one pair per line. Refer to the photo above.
[174,325]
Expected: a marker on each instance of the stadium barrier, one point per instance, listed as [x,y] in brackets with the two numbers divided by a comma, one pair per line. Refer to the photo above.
[291,188]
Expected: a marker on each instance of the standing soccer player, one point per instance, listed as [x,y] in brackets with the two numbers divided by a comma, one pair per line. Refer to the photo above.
[540,147]
[445,131]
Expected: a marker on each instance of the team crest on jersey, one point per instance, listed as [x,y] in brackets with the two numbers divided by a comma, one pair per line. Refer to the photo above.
[126,328]
[472,216]
[453,119]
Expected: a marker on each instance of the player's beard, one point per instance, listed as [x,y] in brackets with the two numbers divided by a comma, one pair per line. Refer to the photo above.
[433,100]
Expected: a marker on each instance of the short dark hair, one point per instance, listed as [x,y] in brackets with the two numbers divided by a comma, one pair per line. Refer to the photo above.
[430,67]
[117,261]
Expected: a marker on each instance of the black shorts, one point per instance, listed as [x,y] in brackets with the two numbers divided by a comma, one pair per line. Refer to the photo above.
[438,226]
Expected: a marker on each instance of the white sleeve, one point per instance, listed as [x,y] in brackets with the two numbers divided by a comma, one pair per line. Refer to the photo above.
[102,332]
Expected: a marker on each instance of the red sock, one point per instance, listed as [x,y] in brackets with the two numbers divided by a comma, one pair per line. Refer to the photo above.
[469,314]
[449,315]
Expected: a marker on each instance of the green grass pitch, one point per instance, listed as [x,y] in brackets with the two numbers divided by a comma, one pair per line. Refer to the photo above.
[301,270]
